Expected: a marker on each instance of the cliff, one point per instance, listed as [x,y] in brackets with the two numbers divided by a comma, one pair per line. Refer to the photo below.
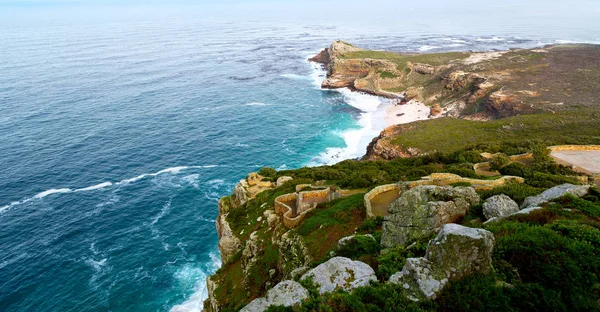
[429,248]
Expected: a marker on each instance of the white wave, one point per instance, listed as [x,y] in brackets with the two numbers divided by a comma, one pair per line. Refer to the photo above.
[173,170]
[492,39]
[296,77]
[427,48]
[319,74]
[282,167]
[41,195]
[370,123]
[455,40]
[52,191]
[257,104]
[192,179]
[364,102]
[241,145]
[193,276]
[94,187]
[97,265]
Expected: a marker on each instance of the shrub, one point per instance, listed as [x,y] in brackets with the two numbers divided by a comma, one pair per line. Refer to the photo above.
[563,267]
[267,172]
[516,169]
[518,192]
[499,161]
[541,154]
[370,225]
[393,260]
[358,247]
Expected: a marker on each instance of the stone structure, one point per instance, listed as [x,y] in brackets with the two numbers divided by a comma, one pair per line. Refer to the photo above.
[294,206]
[455,253]
[377,191]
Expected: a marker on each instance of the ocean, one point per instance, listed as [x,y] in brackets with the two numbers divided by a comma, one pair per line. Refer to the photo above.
[122,125]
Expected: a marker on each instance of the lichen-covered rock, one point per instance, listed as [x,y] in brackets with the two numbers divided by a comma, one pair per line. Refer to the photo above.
[456,252]
[286,293]
[423,210]
[293,253]
[249,255]
[499,206]
[272,217]
[349,239]
[229,244]
[554,193]
[340,272]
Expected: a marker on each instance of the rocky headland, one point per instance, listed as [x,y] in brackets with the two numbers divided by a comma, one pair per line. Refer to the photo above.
[443,242]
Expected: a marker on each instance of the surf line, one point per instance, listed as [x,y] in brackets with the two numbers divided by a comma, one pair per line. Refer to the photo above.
[103,185]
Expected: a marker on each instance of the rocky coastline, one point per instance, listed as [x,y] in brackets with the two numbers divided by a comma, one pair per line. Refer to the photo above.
[467,86]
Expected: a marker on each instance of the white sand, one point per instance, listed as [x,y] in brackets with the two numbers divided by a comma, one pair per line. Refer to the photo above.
[405,113]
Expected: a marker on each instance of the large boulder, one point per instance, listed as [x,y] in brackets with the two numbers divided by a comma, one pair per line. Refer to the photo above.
[499,206]
[423,210]
[554,193]
[456,252]
[340,272]
[286,293]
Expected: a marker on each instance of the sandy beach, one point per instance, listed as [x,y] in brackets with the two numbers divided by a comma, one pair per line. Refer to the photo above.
[405,113]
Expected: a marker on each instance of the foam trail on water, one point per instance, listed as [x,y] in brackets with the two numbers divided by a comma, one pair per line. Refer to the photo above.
[52,191]
[257,104]
[95,187]
[41,195]
[296,77]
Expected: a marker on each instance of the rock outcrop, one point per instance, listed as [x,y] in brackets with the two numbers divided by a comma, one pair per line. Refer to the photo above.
[423,210]
[499,206]
[340,272]
[554,193]
[287,294]
[456,252]
[293,254]
[229,244]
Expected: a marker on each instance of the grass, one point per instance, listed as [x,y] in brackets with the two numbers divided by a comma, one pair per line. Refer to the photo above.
[401,60]
[448,135]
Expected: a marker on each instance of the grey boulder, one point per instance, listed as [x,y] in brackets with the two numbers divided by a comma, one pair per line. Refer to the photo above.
[554,193]
[286,293]
[340,272]
[499,206]
[456,252]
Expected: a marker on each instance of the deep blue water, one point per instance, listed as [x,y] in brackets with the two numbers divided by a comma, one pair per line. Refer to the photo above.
[120,127]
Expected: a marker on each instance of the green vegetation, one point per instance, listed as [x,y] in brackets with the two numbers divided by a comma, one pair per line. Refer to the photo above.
[499,161]
[401,60]
[387,75]
[512,135]
[567,237]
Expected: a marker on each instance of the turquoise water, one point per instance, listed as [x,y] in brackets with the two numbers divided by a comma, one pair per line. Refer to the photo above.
[120,127]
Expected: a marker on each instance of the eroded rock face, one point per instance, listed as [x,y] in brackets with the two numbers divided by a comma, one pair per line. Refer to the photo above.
[554,193]
[340,272]
[456,252]
[499,206]
[423,210]
[229,244]
[293,253]
[286,293]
